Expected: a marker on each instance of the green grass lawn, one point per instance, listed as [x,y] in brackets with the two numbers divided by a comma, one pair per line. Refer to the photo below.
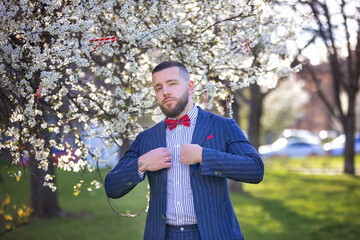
[293,202]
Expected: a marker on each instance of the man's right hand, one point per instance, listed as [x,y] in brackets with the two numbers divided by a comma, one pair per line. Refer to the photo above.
[154,160]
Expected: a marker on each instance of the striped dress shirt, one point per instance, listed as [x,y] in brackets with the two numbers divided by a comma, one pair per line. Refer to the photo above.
[179,198]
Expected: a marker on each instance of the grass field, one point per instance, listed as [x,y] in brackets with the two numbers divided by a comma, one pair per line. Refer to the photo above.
[298,199]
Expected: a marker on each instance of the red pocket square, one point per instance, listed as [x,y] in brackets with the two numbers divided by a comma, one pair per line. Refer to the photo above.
[209,137]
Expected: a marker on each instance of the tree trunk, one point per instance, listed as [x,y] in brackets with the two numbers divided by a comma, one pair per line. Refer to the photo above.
[43,201]
[349,167]
[256,110]
[236,111]
[235,186]
[349,130]
[124,147]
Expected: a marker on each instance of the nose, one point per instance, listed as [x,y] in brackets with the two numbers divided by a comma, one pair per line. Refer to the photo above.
[166,91]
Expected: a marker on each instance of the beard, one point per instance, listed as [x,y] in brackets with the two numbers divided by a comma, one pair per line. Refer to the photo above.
[178,108]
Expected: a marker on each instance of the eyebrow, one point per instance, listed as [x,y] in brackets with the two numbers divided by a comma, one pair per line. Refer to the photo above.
[169,80]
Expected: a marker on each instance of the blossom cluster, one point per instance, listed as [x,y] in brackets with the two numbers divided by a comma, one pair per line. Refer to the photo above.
[54,84]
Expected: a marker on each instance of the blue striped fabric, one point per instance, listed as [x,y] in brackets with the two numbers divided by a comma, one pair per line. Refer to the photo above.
[179,198]
[226,154]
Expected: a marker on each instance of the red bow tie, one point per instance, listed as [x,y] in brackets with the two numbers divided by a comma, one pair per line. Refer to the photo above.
[171,123]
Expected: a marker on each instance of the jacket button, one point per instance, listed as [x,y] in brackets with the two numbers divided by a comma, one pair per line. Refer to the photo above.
[129,183]
[163,216]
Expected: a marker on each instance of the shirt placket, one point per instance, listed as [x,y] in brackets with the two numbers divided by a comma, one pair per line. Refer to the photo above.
[178,192]
[177,198]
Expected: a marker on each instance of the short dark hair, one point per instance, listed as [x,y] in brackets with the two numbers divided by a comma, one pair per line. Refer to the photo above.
[168,64]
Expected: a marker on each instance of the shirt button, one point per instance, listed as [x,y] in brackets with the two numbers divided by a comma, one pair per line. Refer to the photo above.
[178,203]
[177,145]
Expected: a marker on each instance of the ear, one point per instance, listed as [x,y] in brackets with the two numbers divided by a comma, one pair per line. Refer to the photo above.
[191,87]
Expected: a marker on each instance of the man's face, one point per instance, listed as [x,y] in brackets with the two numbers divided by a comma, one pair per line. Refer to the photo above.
[172,91]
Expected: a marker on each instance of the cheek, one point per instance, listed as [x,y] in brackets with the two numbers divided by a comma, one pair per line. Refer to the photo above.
[159,97]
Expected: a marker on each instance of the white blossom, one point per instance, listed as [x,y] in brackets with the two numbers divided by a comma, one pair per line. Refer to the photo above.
[48,66]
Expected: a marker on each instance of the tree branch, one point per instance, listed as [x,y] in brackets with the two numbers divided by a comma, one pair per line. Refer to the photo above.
[320,92]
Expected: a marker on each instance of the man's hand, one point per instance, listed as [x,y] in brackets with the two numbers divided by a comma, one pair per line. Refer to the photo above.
[190,154]
[154,160]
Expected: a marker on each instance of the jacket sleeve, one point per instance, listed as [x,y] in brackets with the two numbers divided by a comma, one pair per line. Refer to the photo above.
[124,176]
[240,162]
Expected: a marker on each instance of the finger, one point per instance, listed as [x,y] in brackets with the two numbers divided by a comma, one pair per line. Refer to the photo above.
[168,159]
[186,145]
[162,149]
[182,156]
[167,165]
[181,153]
[166,154]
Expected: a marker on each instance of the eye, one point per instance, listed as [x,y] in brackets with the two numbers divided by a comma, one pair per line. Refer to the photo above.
[172,83]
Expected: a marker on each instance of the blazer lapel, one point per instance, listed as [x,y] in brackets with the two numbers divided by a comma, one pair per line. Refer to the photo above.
[160,130]
[202,130]
[160,141]
[203,127]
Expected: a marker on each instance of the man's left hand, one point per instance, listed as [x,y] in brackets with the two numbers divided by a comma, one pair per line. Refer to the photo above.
[190,154]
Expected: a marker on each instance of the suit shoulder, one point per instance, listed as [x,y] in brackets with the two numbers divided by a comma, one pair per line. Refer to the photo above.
[218,117]
[222,118]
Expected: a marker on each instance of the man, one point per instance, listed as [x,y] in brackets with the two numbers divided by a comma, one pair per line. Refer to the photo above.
[187,159]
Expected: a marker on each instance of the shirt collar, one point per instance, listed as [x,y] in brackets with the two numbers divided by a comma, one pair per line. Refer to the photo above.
[192,113]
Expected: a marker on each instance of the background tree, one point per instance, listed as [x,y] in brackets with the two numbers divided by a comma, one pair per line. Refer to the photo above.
[336,26]
[283,106]
[58,89]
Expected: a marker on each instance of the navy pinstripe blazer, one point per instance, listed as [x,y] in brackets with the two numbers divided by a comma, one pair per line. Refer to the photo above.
[228,154]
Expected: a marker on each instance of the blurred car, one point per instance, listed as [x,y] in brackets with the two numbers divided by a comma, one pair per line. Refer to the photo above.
[284,147]
[337,146]
[301,135]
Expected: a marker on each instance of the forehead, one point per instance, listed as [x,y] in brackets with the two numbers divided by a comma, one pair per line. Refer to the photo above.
[172,73]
